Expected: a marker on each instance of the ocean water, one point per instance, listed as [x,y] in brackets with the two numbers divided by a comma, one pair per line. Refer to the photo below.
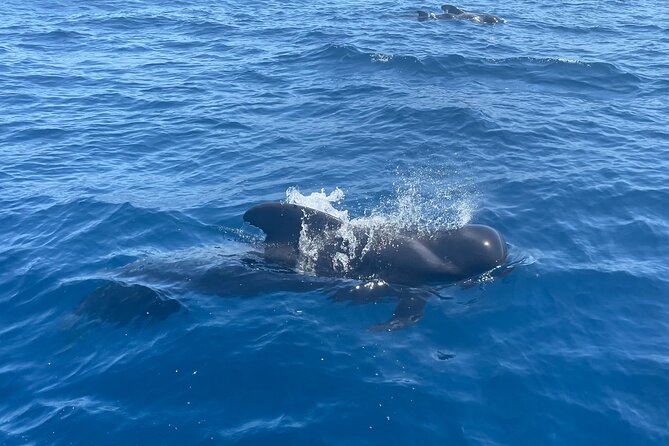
[135,310]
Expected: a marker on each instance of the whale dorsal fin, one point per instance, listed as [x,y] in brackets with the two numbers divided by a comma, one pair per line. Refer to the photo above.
[450,9]
[283,222]
[422,15]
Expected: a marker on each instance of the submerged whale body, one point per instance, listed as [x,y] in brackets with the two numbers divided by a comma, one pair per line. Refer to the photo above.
[120,304]
[338,248]
[451,12]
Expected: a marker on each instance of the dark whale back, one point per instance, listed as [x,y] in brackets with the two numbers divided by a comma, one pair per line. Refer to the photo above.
[450,9]
[401,258]
[282,222]
[453,12]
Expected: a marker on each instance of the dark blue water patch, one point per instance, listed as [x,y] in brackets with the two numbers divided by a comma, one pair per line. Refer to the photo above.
[583,30]
[439,120]
[52,40]
[38,133]
[132,23]
[259,78]
[53,80]
[109,222]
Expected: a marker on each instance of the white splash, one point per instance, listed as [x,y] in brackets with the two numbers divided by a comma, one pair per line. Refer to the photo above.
[313,243]
[424,203]
[382,58]
[421,204]
[309,246]
[319,201]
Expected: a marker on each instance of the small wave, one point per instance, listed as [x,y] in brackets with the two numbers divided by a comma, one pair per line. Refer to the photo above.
[55,35]
[142,20]
[565,73]
[330,52]
[349,54]
[583,30]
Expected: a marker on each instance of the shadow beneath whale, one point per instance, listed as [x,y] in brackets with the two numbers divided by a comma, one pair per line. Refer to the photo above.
[252,274]
[409,308]
[132,296]
[119,303]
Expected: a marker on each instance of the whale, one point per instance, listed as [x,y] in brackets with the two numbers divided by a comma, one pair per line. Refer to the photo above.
[337,248]
[303,250]
[451,12]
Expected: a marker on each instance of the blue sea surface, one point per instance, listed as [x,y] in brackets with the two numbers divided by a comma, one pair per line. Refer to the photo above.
[134,135]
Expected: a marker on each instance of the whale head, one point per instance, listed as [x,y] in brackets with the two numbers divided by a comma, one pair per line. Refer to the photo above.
[475,249]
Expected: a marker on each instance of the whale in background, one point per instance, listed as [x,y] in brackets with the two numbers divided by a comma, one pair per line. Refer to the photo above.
[451,12]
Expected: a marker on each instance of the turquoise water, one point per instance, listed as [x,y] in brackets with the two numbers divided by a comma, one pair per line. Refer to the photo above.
[133,136]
